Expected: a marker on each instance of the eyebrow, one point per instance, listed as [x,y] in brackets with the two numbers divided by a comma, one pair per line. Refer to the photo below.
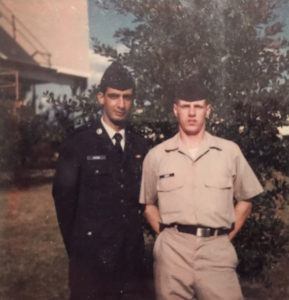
[188,105]
[113,94]
[118,95]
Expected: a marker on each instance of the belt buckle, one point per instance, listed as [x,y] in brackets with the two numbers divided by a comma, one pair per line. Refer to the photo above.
[203,232]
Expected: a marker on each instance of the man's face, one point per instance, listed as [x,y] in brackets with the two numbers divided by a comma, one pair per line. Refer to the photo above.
[116,106]
[192,115]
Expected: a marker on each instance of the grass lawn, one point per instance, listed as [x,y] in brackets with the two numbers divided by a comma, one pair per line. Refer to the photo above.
[32,257]
[33,262]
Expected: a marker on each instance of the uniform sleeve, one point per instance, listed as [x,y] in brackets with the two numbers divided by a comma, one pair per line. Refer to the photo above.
[65,191]
[246,184]
[148,192]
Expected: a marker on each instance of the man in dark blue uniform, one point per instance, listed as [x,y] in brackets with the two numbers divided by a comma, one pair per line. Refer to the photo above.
[96,190]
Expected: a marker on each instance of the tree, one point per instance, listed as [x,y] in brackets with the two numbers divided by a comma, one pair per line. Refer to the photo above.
[9,136]
[27,140]
[238,50]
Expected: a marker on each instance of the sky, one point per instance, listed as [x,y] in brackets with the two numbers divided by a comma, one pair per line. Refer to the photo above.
[103,24]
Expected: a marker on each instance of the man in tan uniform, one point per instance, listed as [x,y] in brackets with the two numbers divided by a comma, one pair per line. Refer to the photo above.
[188,185]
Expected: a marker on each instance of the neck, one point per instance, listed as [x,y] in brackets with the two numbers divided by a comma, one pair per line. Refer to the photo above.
[193,140]
[115,126]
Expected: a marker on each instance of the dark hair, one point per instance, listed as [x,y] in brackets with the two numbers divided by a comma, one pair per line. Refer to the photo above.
[117,77]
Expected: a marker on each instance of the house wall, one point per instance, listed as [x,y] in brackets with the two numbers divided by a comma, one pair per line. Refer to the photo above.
[53,33]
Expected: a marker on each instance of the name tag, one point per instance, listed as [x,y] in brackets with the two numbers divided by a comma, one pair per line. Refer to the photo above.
[96,157]
[167,175]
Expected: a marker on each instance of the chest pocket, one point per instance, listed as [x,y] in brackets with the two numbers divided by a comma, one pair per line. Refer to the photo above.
[219,182]
[97,171]
[218,191]
[100,169]
[169,181]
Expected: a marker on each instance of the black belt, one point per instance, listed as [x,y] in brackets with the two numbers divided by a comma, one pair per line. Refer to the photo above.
[196,230]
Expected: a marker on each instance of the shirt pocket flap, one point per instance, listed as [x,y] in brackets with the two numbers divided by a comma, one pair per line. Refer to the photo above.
[219,182]
[168,182]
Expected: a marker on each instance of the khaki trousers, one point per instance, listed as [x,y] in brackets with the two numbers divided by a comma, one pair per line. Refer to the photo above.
[190,267]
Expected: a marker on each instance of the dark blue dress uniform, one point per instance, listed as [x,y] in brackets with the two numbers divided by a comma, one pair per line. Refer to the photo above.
[96,193]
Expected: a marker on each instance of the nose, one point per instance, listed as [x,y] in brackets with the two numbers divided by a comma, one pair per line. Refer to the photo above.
[192,110]
[121,102]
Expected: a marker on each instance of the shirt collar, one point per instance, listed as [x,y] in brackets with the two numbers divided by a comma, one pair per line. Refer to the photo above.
[209,142]
[110,131]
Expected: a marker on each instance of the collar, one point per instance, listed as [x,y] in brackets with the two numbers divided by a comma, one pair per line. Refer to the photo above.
[111,132]
[209,142]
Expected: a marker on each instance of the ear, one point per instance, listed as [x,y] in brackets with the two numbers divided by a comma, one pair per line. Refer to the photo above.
[175,108]
[100,98]
[208,111]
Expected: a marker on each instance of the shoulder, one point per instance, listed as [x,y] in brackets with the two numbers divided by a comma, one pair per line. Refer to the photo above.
[135,136]
[158,151]
[77,133]
[78,138]
[225,144]
[137,140]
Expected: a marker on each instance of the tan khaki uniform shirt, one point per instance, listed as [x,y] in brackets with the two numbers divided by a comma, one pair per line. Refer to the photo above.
[197,191]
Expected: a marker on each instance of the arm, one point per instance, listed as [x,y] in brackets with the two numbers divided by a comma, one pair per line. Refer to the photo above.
[152,215]
[242,211]
[246,186]
[148,193]
[65,192]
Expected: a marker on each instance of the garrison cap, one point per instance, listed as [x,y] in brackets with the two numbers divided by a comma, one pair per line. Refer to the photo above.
[191,90]
[116,77]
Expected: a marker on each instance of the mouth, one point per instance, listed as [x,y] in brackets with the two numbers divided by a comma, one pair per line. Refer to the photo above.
[120,114]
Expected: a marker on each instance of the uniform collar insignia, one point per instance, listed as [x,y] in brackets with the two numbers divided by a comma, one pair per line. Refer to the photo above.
[99,131]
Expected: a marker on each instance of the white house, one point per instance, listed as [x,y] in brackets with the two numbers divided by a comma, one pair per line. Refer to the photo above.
[43,42]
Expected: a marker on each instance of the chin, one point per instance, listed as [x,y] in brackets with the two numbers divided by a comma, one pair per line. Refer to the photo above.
[118,121]
[119,118]
[191,132]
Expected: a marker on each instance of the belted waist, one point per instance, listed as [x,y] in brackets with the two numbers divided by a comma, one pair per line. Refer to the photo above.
[200,231]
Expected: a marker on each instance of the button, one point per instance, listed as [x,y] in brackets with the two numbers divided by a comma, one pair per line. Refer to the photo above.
[89,233]
[96,171]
